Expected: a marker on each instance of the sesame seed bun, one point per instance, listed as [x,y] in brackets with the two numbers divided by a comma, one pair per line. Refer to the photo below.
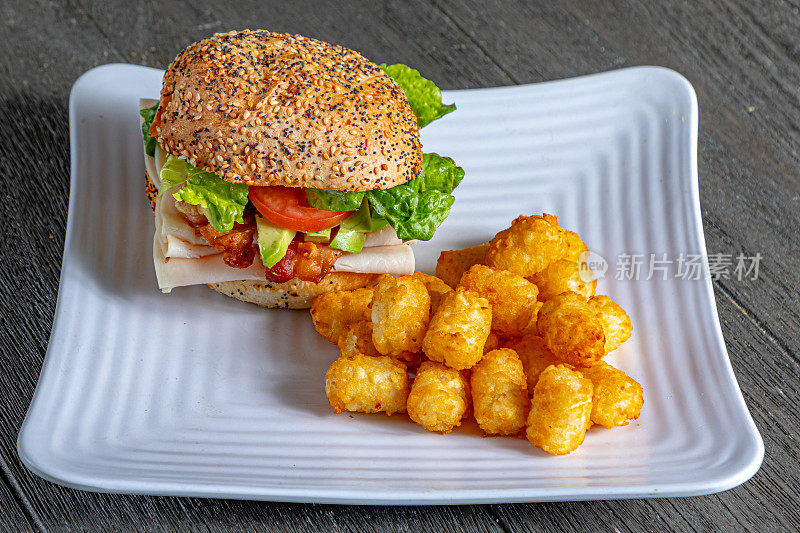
[265,108]
[150,190]
[294,294]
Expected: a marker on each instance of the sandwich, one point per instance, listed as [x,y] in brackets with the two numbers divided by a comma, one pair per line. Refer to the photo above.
[280,167]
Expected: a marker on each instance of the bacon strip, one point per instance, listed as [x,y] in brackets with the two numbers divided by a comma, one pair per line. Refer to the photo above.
[306,261]
[236,245]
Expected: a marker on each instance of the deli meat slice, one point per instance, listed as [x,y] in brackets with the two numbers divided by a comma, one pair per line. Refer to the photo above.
[396,259]
[179,272]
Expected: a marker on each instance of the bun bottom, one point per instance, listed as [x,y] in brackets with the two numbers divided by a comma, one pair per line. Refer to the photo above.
[295,293]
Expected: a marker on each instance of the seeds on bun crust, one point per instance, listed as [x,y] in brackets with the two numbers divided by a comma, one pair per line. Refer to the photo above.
[264,108]
[150,190]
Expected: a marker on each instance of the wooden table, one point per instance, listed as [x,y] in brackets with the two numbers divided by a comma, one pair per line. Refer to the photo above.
[743,58]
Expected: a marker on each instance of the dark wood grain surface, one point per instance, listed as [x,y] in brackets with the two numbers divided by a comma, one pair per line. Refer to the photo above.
[743,58]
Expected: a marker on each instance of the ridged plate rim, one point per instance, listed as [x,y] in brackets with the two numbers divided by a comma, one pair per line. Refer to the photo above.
[77,478]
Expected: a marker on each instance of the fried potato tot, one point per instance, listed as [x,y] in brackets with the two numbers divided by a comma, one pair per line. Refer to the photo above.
[363,384]
[617,398]
[357,338]
[400,315]
[616,322]
[439,397]
[528,246]
[500,393]
[513,298]
[534,355]
[560,410]
[532,327]
[572,329]
[562,276]
[436,288]
[453,263]
[332,311]
[575,246]
[459,329]
[492,343]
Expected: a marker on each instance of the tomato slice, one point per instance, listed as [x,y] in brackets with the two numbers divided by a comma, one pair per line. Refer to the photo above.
[287,207]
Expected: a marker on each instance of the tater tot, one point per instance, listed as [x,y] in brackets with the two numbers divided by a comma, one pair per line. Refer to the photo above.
[528,246]
[492,343]
[458,330]
[439,397]
[513,298]
[453,263]
[561,407]
[532,327]
[572,329]
[575,246]
[400,315]
[534,355]
[332,311]
[500,393]
[357,338]
[616,322]
[617,398]
[562,276]
[436,288]
[364,384]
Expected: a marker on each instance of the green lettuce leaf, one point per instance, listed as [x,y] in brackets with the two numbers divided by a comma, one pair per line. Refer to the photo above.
[225,201]
[149,142]
[414,209]
[334,200]
[439,173]
[417,208]
[173,173]
[413,216]
[423,95]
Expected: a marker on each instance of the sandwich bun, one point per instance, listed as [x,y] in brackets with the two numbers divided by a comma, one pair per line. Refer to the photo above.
[264,108]
[150,190]
[294,294]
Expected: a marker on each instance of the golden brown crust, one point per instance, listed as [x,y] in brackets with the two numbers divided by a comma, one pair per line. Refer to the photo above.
[529,245]
[572,329]
[453,263]
[512,298]
[439,397]
[500,393]
[333,311]
[294,294]
[561,408]
[458,330]
[362,384]
[617,397]
[401,309]
[264,108]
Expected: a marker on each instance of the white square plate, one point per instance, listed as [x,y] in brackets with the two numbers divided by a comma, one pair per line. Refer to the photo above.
[196,394]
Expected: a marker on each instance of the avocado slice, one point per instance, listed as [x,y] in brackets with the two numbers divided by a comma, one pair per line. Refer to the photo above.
[319,236]
[273,241]
[351,235]
[360,220]
[348,240]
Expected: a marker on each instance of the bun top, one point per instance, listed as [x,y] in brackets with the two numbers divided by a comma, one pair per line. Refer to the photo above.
[265,108]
